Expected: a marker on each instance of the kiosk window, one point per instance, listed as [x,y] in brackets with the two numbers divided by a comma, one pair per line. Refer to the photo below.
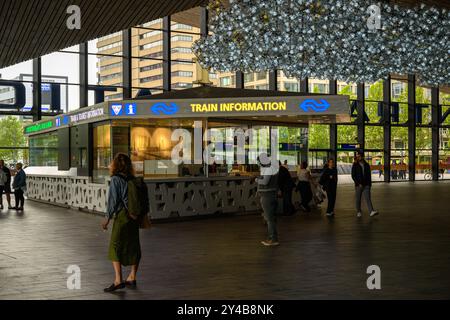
[152,146]
[44,150]
[102,152]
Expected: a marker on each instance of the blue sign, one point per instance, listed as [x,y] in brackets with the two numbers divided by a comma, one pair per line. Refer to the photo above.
[290,146]
[314,105]
[116,109]
[43,108]
[62,121]
[65,120]
[349,146]
[161,108]
[45,87]
[130,109]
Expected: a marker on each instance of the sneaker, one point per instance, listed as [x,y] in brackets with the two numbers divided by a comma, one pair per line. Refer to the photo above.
[330,214]
[359,214]
[270,243]
[373,213]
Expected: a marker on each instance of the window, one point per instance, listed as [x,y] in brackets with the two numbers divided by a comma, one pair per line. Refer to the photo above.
[149,79]
[113,35]
[181,85]
[249,77]
[102,152]
[150,34]
[153,55]
[151,67]
[151,45]
[225,81]
[44,150]
[152,23]
[111,66]
[106,58]
[187,74]
[151,149]
[182,38]
[397,89]
[261,75]
[181,26]
[291,86]
[110,76]
[181,50]
[318,87]
[110,46]
[187,63]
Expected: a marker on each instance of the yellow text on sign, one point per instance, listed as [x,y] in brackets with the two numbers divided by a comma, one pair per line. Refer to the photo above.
[238,106]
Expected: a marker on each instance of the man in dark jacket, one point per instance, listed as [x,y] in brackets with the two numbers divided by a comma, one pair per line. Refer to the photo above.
[328,180]
[19,185]
[286,185]
[7,185]
[362,176]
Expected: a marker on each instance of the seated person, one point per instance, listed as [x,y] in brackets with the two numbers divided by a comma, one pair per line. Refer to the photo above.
[185,171]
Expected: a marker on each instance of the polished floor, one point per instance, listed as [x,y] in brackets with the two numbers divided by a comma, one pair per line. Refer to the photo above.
[222,258]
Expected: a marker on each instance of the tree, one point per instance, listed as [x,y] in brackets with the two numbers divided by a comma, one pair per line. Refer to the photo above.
[12,136]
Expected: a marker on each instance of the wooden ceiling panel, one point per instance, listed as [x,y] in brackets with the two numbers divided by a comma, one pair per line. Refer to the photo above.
[33,28]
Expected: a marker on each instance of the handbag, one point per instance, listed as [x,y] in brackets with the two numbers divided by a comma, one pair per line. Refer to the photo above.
[144,222]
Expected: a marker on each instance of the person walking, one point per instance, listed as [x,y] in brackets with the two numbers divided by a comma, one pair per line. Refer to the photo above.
[7,184]
[124,247]
[304,186]
[362,176]
[329,181]
[286,185]
[267,184]
[20,186]
[3,180]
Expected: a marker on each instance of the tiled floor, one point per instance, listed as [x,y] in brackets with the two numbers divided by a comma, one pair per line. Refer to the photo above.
[222,258]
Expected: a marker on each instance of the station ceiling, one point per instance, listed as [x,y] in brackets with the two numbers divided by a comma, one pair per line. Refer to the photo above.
[33,28]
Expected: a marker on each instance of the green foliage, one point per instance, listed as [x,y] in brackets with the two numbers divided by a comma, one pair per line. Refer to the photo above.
[11,135]
[319,134]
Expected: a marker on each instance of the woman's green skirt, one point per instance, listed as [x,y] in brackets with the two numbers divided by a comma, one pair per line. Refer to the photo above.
[124,246]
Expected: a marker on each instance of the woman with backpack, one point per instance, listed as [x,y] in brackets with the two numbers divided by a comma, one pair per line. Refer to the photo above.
[124,247]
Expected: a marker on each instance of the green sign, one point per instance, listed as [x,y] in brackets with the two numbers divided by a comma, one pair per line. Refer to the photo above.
[39,127]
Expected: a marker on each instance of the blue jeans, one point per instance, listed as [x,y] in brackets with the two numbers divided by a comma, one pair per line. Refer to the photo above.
[269,204]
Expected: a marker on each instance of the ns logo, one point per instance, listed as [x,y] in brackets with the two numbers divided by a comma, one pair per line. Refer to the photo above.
[314,105]
[162,108]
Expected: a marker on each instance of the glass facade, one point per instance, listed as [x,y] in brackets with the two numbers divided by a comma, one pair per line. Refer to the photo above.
[156,66]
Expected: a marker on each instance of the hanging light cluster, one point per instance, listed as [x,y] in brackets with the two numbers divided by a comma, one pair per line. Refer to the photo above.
[331,39]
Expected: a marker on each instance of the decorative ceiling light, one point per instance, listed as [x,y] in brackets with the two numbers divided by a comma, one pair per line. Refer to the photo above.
[328,39]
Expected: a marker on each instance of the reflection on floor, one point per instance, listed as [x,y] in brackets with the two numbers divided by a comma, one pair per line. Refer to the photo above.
[223,258]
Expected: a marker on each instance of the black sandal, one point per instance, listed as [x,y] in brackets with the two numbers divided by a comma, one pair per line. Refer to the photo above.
[131,283]
[113,287]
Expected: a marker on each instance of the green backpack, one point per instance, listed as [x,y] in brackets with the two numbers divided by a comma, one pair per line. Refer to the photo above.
[138,201]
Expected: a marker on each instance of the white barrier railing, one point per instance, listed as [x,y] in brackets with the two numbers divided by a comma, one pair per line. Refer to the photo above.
[168,199]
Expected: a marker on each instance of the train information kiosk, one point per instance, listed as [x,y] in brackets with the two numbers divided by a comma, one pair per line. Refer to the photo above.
[70,153]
